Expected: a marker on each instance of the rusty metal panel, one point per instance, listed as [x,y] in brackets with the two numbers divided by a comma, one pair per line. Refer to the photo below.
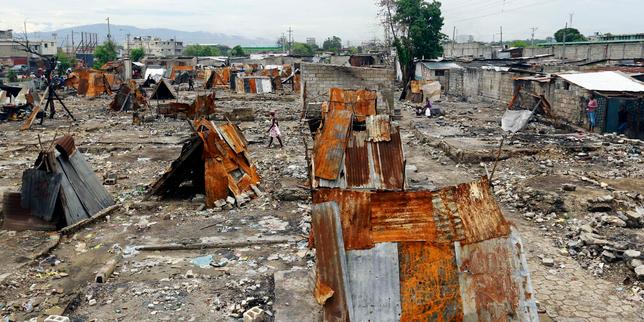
[331,145]
[231,136]
[489,288]
[366,103]
[379,128]
[480,213]
[337,99]
[331,262]
[356,161]
[390,163]
[355,214]
[216,179]
[66,145]
[375,283]
[402,216]
[429,283]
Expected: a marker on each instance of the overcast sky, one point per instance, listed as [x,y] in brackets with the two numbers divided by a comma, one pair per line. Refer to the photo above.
[353,20]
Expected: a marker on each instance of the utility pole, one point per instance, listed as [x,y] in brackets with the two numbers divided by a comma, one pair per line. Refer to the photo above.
[501,37]
[290,39]
[533,30]
[109,34]
[453,40]
[571,15]
[283,43]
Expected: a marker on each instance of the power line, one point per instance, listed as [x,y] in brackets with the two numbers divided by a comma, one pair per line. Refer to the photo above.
[498,13]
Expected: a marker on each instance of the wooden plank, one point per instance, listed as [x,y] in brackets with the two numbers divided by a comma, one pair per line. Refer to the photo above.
[375,283]
[429,283]
[84,181]
[40,192]
[72,206]
[102,214]
[331,261]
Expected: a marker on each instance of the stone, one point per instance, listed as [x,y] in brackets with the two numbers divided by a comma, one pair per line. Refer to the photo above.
[609,256]
[256,314]
[220,203]
[568,187]
[189,274]
[631,253]
[292,194]
[639,272]
[54,310]
[548,261]
[633,263]
[199,198]
[230,200]
[57,318]
[92,302]
[634,219]
[593,239]
[613,221]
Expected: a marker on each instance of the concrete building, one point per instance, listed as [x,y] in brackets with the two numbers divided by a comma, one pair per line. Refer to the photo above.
[12,53]
[311,41]
[156,46]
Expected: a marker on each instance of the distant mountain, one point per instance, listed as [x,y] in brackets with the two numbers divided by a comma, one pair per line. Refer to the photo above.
[119,35]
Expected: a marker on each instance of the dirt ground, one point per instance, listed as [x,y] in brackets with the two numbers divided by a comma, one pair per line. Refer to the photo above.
[44,273]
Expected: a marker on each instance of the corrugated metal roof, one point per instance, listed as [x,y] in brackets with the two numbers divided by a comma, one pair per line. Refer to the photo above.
[379,128]
[442,65]
[608,81]
[331,144]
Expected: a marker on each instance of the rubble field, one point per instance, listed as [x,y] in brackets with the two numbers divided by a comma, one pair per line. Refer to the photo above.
[577,200]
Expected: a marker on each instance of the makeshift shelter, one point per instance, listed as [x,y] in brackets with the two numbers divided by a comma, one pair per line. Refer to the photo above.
[218,77]
[163,91]
[253,85]
[154,73]
[203,106]
[180,70]
[214,162]
[91,83]
[60,190]
[446,255]
[130,97]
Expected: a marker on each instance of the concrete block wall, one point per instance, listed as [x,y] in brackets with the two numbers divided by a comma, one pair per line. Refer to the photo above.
[589,52]
[318,79]
[476,83]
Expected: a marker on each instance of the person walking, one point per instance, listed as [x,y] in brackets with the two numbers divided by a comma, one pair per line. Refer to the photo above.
[274,131]
[591,110]
[191,84]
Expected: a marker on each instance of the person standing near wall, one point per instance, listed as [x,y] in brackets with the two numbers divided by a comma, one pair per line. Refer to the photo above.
[591,110]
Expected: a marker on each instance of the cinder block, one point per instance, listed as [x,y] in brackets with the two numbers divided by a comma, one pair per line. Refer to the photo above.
[255,314]
[57,318]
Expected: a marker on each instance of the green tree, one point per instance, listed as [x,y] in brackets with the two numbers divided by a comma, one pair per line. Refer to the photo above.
[104,53]
[520,43]
[415,26]
[570,34]
[137,53]
[237,51]
[12,76]
[333,44]
[301,49]
[64,62]
[202,51]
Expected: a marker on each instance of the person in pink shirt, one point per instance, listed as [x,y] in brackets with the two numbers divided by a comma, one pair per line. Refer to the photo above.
[591,109]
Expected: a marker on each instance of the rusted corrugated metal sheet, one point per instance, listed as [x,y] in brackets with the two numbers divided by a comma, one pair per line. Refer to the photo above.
[355,213]
[379,128]
[176,70]
[357,164]
[375,283]
[479,211]
[91,83]
[402,216]
[390,161]
[331,262]
[331,144]
[66,145]
[429,283]
[231,136]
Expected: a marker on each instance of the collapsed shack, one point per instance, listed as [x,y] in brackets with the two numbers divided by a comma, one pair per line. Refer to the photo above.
[16,103]
[203,106]
[181,74]
[214,162]
[60,190]
[445,255]
[92,83]
[163,91]
[130,97]
[362,103]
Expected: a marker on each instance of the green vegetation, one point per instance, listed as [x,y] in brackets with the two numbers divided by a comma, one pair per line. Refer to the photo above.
[520,43]
[137,53]
[104,53]
[64,62]
[416,29]
[12,76]
[333,44]
[237,51]
[301,49]
[571,35]
[202,51]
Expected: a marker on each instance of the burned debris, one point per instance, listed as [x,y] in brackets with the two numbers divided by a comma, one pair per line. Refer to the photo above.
[130,97]
[60,190]
[215,162]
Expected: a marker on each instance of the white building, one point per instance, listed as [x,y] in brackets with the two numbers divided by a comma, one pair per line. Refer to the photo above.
[156,46]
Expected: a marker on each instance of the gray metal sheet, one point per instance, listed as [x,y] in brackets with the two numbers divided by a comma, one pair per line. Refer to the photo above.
[40,192]
[375,283]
